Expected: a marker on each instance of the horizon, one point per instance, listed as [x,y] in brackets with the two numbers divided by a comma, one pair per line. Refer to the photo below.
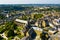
[30,2]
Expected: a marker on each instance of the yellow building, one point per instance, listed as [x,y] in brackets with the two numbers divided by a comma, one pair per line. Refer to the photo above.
[37,31]
[43,24]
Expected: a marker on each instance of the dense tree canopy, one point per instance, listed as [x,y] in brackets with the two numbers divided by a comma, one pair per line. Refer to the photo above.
[10,25]
[9,28]
[2,16]
[36,16]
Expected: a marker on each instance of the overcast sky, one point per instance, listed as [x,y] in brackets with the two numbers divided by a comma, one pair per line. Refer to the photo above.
[29,1]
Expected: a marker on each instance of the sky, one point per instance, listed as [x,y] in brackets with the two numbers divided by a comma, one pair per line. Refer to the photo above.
[29,1]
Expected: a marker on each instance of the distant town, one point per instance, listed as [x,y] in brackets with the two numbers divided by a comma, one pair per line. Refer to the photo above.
[29,22]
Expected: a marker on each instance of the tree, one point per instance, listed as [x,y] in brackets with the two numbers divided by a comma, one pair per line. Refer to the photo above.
[10,25]
[2,29]
[1,38]
[9,29]
[36,16]
[2,16]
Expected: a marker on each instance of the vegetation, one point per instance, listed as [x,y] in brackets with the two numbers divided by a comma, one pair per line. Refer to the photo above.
[9,28]
[2,29]
[36,16]
[57,9]
[20,36]
[24,17]
[2,16]
[1,38]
